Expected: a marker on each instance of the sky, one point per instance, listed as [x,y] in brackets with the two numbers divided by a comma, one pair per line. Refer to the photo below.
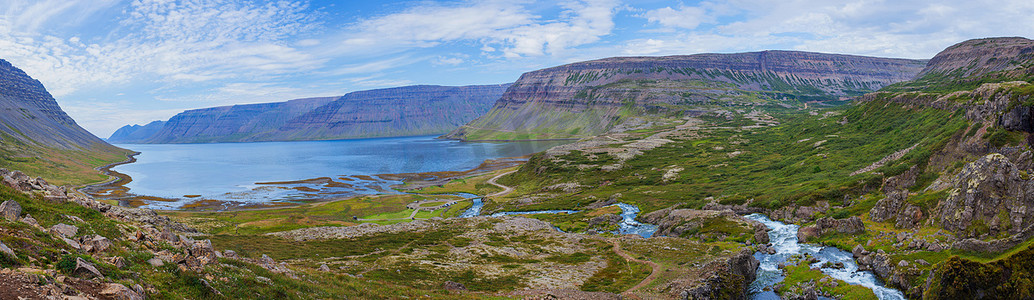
[110,63]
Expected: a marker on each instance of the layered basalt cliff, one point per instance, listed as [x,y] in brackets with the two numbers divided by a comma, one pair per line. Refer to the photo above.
[589,98]
[402,111]
[31,115]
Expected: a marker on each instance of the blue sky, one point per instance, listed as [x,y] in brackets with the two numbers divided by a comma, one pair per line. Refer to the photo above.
[111,63]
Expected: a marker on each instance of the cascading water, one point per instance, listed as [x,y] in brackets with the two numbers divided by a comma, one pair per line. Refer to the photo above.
[629,225]
[784,240]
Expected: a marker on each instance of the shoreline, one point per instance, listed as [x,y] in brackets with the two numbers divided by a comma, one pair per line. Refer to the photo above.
[114,189]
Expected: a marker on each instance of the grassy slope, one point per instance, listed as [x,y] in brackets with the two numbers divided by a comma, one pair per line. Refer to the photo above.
[776,166]
[57,166]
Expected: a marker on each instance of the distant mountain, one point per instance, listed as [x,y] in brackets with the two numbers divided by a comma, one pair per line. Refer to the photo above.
[589,98]
[136,132]
[41,139]
[410,110]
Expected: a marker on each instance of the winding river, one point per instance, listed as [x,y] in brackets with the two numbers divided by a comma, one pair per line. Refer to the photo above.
[628,223]
[784,240]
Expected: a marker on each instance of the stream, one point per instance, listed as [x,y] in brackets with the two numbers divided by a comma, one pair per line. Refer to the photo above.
[628,223]
[784,240]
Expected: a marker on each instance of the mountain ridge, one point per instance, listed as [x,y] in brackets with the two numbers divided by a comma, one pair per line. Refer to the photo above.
[590,95]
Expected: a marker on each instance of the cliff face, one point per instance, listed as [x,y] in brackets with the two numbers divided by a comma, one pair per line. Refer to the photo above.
[589,98]
[31,115]
[411,110]
[981,56]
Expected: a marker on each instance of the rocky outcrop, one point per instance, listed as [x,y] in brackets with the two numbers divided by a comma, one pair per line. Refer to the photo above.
[402,111]
[728,280]
[589,98]
[10,210]
[678,222]
[988,197]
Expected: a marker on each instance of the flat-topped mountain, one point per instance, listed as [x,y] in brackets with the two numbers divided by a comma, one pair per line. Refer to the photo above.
[588,98]
[401,111]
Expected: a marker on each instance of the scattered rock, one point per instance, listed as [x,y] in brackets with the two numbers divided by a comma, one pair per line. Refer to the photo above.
[453,286]
[10,209]
[324,268]
[64,230]
[85,269]
[231,254]
[922,262]
[903,263]
[858,251]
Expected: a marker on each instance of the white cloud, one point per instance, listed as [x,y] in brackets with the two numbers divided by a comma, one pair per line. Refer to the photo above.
[504,28]
[685,17]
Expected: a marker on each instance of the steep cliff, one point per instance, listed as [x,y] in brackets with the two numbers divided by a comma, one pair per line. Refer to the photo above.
[410,110]
[40,139]
[31,115]
[589,98]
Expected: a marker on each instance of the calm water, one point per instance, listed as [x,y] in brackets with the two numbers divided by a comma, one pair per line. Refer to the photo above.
[230,171]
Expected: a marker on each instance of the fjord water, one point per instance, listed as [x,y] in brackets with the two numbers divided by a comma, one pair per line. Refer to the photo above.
[230,171]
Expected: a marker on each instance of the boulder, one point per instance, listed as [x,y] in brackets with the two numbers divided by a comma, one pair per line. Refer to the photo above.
[203,251]
[11,210]
[85,269]
[96,244]
[120,292]
[858,251]
[64,230]
[827,225]
[28,219]
[324,268]
[156,262]
[231,254]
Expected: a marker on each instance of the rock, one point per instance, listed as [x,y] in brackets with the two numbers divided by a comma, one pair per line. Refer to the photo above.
[231,254]
[806,232]
[6,250]
[989,192]
[202,250]
[97,244]
[72,243]
[85,269]
[903,263]
[118,262]
[325,268]
[64,230]
[266,260]
[168,236]
[858,251]
[11,210]
[120,292]
[453,286]
[922,262]
[28,219]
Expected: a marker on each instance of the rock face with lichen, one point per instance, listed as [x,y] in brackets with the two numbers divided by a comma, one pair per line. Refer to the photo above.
[988,197]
